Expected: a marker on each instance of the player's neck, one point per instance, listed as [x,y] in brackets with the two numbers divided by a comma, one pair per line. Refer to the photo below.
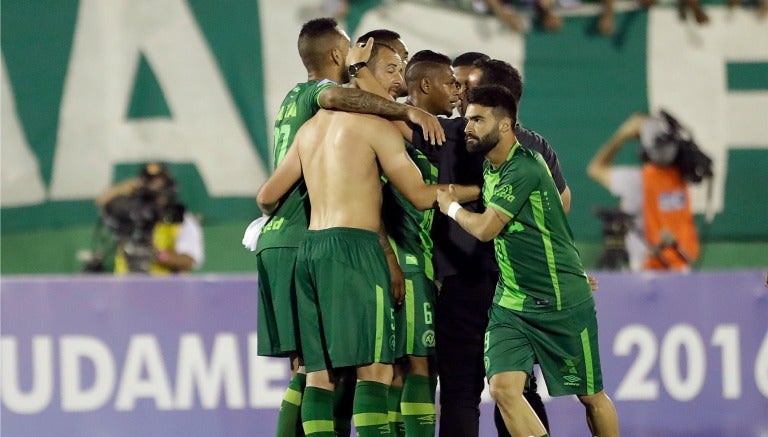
[414,100]
[500,152]
[325,73]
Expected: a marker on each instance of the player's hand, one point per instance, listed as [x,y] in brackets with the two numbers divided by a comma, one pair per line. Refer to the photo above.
[445,198]
[430,127]
[592,283]
[397,281]
[359,52]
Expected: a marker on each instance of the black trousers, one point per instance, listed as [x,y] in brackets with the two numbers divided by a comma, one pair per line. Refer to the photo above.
[460,321]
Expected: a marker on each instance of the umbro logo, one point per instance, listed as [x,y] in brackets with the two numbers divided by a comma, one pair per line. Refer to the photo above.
[571,378]
[427,420]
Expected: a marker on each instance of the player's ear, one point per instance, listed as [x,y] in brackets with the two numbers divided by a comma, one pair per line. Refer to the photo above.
[424,85]
[505,124]
[337,58]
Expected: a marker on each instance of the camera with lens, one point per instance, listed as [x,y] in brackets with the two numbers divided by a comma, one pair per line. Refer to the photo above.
[666,142]
[132,218]
[615,225]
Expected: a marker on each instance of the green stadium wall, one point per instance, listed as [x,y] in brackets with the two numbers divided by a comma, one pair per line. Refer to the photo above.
[91,89]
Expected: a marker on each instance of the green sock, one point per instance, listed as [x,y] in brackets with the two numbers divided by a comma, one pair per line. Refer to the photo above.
[370,409]
[288,421]
[418,405]
[343,396]
[393,406]
[317,412]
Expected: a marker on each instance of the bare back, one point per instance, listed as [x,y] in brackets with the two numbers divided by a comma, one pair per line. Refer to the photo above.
[340,168]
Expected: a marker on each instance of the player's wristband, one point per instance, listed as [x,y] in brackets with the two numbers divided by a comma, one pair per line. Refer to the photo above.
[453,208]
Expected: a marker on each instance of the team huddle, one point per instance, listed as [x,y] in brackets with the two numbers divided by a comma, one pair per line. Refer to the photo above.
[347,285]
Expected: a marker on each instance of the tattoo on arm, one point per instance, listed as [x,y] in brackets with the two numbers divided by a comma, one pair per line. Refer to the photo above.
[355,100]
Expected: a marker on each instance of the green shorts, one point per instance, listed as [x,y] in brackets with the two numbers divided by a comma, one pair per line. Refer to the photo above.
[564,343]
[414,319]
[342,286]
[277,323]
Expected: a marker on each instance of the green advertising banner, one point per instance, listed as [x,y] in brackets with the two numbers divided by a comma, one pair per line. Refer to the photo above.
[91,89]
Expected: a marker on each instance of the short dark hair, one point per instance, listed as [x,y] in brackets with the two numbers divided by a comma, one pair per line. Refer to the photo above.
[466,59]
[379,35]
[316,38]
[424,58]
[429,56]
[317,27]
[494,96]
[377,47]
[498,72]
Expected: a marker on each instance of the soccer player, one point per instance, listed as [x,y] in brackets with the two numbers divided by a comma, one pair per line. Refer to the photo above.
[543,310]
[465,267]
[431,87]
[342,274]
[393,40]
[324,50]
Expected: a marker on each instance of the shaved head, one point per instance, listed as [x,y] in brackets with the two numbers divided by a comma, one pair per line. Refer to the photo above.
[423,64]
[317,39]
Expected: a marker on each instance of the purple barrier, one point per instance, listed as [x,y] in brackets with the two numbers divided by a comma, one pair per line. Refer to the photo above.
[682,355]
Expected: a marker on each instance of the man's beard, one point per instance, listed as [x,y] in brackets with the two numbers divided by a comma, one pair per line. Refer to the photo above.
[482,145]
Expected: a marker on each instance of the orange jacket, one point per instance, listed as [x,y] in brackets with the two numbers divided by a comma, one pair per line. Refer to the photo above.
[667,219]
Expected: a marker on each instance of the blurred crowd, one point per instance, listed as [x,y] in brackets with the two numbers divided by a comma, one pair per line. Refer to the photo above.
[521,15]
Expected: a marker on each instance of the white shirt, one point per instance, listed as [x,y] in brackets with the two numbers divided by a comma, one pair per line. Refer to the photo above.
[189,240]
[626,183]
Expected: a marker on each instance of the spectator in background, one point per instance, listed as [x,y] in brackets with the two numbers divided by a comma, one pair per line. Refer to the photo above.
[655,193]
[761,7]
[155,233]
[606,23]
[337,9]
[505,12]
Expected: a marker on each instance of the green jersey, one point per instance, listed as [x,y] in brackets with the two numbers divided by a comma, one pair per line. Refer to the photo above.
[298,106]
[540,268]
[407,227]
[287,226]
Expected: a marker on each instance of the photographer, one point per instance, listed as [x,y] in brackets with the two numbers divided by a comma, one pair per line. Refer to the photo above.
[662,234]
[154,232]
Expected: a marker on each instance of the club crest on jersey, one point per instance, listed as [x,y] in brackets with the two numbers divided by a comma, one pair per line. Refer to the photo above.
[428,338]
